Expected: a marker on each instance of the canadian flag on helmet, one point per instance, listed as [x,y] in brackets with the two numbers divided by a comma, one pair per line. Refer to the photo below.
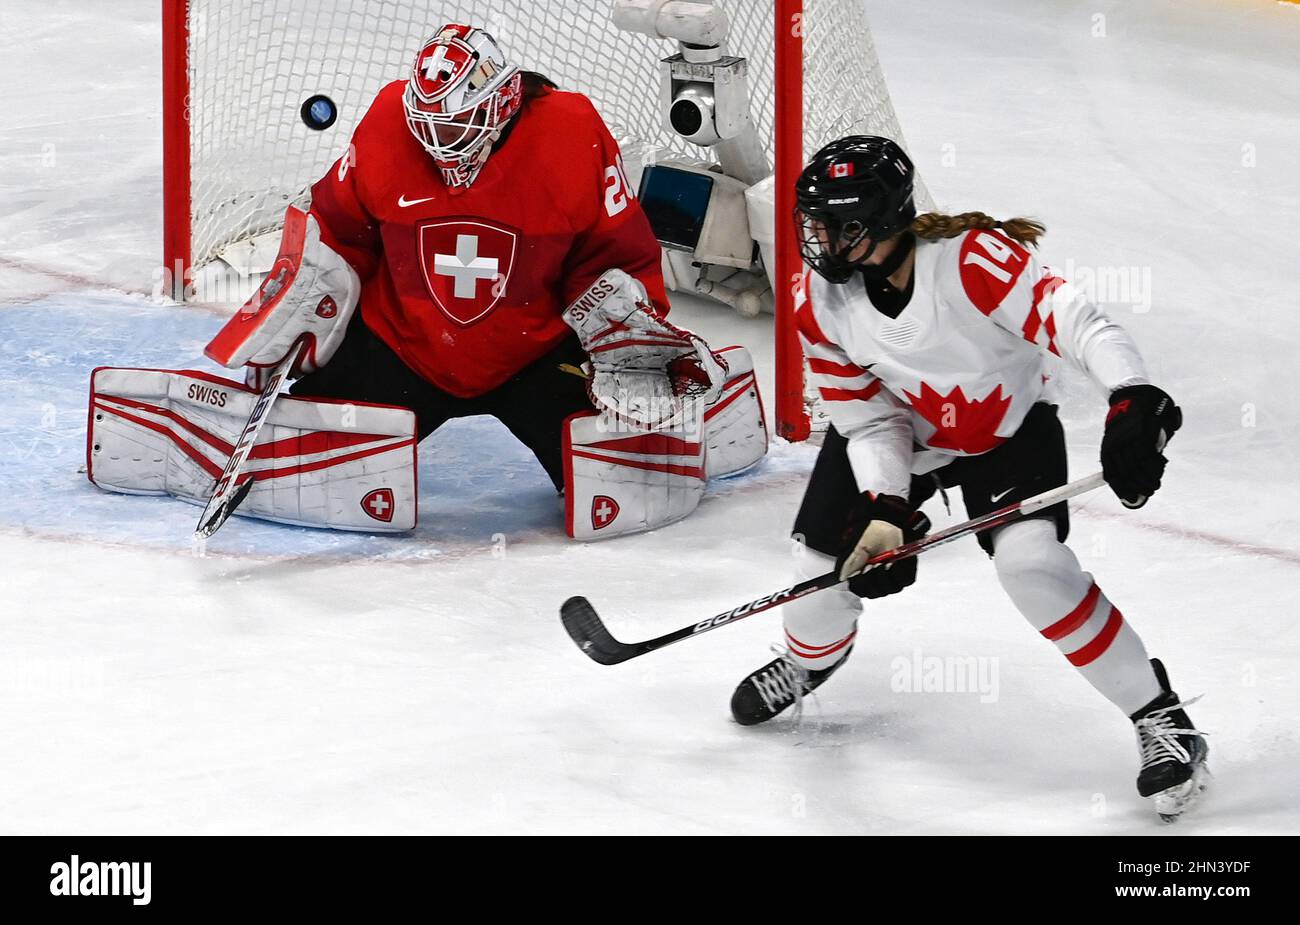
[842,170]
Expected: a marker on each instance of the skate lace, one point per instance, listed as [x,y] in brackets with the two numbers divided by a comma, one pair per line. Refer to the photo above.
[1158,736]
[785,680]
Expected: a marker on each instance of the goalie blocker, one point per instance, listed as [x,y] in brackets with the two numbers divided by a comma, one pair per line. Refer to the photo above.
[304,303]
[317,462]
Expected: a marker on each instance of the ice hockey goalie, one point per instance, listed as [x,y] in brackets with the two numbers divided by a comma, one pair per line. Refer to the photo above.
[477,250]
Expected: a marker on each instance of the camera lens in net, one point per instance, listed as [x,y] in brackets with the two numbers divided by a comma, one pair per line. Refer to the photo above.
[686,117]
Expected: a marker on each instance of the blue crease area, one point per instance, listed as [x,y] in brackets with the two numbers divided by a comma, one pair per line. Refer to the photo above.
[477,483]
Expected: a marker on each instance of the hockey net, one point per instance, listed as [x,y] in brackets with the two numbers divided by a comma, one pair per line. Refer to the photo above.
[240,153]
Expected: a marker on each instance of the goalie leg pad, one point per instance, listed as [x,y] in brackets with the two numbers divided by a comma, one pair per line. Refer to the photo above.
[734,426]
[317,462]
[618,481]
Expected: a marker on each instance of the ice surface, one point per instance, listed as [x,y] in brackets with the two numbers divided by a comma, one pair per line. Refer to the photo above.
[294,681]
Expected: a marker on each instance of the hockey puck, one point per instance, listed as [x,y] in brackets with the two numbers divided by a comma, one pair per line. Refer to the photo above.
[319,112]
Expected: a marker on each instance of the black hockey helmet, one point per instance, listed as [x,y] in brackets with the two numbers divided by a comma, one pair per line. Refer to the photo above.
[855,189]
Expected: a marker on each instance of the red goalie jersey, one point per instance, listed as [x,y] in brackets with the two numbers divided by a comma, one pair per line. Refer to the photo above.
[467,285]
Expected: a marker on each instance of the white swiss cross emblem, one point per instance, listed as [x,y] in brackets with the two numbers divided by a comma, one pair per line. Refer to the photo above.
[440,66]
[437,66]
[603,511]
[379,504]
[466,266]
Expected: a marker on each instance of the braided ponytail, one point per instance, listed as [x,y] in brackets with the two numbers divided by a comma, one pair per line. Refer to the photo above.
[931,226]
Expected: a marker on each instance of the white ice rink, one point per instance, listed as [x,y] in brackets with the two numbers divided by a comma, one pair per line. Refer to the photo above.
[298,681]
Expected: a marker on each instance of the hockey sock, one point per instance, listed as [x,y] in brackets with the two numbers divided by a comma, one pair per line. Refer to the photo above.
[820,629]
[1046,583]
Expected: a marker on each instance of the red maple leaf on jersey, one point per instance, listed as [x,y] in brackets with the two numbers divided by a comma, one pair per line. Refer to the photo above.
[959,423]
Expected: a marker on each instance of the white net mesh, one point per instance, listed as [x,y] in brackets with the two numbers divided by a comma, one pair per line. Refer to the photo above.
[254,62]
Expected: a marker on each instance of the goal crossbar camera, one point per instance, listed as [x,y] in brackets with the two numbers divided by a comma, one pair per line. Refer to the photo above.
[705,102]
[704,92]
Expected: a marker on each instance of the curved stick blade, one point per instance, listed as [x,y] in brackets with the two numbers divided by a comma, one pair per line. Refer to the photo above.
[586,629]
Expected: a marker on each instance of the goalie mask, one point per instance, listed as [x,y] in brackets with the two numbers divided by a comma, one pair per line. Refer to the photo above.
[460,95]
[855,191]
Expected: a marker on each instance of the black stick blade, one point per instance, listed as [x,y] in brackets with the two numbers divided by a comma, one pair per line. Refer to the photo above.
[585,628]
[224,510]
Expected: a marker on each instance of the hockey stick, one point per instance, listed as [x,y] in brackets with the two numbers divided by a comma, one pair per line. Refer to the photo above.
[230,490]
[586,629]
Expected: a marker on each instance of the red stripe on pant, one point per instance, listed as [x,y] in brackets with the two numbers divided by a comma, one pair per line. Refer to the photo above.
[803,650]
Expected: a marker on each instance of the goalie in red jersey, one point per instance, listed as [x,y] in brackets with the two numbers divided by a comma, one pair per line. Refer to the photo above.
[482,221]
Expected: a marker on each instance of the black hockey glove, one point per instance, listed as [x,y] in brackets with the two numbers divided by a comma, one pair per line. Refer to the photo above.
[874,525]
[1141,419]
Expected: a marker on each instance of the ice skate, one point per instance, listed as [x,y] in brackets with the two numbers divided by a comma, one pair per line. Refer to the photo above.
[775,687]
[1173,773]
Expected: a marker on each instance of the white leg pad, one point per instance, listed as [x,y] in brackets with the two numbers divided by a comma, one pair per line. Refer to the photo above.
[317,462]
[619,481]
[734,426]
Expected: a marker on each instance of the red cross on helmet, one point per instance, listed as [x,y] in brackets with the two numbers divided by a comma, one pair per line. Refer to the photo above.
[461,93]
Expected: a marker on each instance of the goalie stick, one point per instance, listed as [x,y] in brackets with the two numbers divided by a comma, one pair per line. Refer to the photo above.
[588,631]
[230,491]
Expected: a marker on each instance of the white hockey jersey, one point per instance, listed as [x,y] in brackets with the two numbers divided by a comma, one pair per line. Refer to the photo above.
[959,368]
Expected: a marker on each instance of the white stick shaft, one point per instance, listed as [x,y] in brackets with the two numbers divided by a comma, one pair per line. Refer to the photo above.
[213,517]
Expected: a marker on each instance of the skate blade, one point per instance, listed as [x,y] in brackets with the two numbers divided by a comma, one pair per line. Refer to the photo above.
[1172,803]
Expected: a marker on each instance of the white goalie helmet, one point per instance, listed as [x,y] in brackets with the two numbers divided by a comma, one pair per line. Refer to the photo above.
[460,95]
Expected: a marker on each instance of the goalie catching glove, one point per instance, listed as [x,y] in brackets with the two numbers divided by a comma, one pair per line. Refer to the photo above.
[642,370]
[308,297]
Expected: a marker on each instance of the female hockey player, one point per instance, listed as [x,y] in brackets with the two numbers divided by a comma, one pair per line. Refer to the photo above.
[928,337]
[482,220]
